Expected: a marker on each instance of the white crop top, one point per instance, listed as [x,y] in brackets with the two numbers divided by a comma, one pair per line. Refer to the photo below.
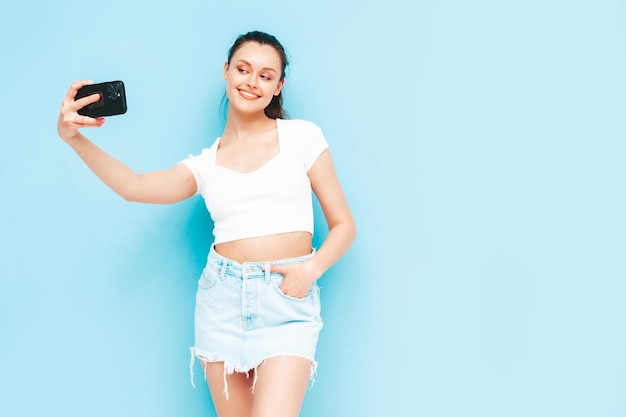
[275,198]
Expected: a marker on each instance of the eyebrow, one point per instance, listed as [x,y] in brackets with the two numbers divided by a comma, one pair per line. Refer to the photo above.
[243,61]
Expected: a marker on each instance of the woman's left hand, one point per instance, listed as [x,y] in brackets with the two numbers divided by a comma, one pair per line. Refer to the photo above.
[298,278]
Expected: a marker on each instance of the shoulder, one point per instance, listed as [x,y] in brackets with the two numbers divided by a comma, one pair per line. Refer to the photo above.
[299,131]
[298,126]
[199,161]
[303,138]
[205,152]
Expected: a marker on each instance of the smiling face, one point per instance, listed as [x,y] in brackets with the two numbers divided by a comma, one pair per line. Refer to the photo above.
[253,77]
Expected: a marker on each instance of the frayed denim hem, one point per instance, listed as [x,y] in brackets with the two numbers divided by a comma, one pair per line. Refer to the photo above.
[230,368]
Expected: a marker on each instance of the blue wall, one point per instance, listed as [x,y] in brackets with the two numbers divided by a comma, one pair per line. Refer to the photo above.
[480,144]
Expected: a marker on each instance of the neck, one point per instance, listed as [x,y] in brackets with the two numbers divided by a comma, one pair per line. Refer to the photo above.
[239,125]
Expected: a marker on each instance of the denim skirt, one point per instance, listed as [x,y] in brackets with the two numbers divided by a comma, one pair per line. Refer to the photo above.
[243,318]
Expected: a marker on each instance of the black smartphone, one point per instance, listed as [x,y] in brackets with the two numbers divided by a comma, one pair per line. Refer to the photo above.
[112,99]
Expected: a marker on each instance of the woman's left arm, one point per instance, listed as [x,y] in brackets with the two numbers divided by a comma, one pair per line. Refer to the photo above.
[342,229]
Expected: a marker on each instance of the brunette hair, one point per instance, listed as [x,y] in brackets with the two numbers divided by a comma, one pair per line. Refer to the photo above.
[274,110]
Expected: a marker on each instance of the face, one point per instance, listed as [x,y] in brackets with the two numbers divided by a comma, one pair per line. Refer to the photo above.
[253,77]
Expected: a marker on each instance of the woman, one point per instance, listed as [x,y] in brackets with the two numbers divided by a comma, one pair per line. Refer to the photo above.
[257,308]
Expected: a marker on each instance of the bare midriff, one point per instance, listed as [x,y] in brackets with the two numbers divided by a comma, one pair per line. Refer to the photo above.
[267,248]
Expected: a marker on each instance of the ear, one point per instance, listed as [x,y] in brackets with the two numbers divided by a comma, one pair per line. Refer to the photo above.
[280,87]
[225,70]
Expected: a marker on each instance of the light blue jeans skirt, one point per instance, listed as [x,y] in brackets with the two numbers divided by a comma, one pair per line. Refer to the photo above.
[243,318]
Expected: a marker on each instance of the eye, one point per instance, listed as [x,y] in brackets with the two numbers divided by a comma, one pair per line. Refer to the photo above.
[266,77]
[241,70]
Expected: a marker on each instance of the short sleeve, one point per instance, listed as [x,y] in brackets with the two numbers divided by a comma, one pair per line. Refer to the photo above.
[315,144]
[197,165]
[189,163]
[302,138]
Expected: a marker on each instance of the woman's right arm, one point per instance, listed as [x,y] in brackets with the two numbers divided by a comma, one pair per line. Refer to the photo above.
[159,187]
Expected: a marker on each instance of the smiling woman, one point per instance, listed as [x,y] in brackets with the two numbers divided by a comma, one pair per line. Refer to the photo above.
[261,60]
[257,316]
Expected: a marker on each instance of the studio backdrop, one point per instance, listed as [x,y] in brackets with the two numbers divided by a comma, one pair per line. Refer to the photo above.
[481,148]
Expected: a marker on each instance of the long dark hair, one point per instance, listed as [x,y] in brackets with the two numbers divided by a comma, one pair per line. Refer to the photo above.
[274,110]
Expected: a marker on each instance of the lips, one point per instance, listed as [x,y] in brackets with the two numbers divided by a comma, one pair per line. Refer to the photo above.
[248,95]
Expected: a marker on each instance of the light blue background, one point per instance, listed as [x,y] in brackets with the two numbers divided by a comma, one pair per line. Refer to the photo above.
[481,147]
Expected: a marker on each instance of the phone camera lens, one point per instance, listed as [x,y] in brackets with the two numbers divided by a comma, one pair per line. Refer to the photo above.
[110,88]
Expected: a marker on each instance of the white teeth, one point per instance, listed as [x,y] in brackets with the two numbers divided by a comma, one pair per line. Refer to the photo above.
[246,94]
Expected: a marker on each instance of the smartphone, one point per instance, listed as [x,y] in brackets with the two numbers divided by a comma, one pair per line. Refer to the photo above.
[112,99]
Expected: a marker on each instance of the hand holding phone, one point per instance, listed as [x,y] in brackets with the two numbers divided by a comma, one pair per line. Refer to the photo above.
[78,110]
[112,99]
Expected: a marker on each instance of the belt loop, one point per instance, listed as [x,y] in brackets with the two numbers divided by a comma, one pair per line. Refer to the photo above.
[268,271]
[224,264]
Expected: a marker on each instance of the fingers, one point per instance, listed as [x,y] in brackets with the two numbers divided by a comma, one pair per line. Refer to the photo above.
[69,120]
[69,124]
[77,85]
[292,285]
[70,107]
[85,101]
[69,113]
[279,269]
[70,102]
[293,291]
[85,121]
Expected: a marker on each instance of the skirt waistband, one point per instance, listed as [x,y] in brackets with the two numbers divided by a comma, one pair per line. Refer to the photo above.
[249,269]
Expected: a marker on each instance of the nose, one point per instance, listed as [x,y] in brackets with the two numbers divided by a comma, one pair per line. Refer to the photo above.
[251,81]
